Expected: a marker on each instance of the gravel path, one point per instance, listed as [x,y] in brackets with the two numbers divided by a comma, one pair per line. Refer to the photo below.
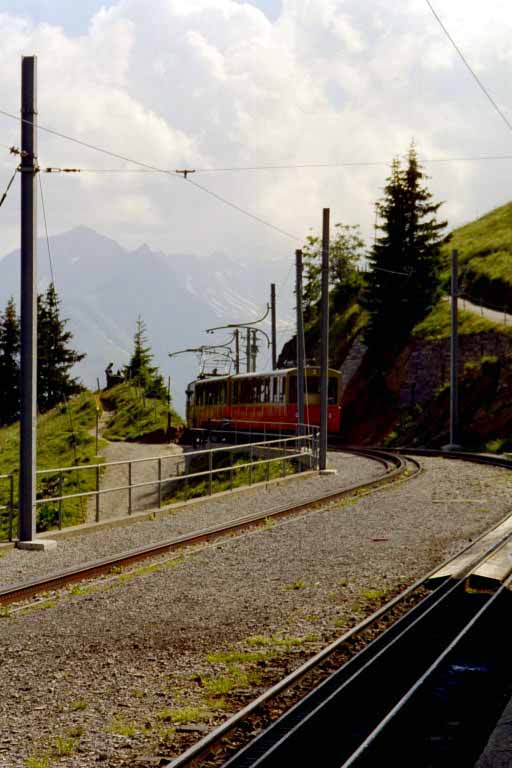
[17,565]
[123,673]
[116,504]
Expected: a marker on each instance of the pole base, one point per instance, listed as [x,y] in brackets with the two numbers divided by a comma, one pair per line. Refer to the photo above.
[452,447]
[327,471]
[37,545]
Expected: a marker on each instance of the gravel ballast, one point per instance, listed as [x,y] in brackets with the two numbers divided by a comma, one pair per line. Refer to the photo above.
[123,674]
[17,565]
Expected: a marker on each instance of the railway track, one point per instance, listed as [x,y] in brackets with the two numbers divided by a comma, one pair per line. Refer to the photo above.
[412,696]
[394,466]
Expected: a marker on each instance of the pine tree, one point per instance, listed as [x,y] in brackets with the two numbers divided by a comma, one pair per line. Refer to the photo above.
[403,283]
[55,357]
[9,365]
[140,368]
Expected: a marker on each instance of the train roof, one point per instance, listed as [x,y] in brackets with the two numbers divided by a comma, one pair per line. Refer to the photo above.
[261,374]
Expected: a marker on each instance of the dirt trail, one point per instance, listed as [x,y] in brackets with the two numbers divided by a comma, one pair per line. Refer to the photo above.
[116,504]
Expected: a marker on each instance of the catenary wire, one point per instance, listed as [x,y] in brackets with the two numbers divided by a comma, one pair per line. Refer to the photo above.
[283,167]
[9,185]
[148,166]
[469,68]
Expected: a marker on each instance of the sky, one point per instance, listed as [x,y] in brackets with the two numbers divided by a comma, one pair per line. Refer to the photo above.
[213,84]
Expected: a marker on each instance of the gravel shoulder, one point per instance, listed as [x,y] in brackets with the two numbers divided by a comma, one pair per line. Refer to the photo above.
[129,669]
[17,565]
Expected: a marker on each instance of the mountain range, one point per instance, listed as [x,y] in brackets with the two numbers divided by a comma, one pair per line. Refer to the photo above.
[105,287]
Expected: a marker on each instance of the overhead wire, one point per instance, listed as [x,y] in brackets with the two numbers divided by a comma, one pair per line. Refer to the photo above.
[469,67]
[355,164]
[9,185]
[151,167]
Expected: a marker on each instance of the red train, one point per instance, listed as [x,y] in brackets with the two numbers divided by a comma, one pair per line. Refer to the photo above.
[252,400]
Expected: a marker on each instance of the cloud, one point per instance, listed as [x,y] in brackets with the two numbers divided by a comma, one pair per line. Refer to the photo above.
[216,83]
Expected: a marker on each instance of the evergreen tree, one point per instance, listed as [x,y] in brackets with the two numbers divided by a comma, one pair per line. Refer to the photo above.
[9,365]
[55,357]
[141,368]
[403,284]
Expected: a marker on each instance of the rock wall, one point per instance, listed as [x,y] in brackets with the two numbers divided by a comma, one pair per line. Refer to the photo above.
[424,367]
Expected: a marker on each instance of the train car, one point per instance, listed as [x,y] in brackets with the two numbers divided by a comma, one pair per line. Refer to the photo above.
[257,400]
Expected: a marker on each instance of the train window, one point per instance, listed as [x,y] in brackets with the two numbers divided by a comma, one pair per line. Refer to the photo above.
[312,387]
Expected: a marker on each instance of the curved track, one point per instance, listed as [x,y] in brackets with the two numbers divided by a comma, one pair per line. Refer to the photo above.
[429,705]
[395,468]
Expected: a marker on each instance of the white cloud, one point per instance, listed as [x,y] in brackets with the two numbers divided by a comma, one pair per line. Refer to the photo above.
[215,83]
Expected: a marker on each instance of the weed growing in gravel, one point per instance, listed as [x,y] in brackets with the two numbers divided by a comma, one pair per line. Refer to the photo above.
[138,694]
[237,677]
[278,642]
[374,594]
[122,727]
[183,715]
[483,511]
[77,705]
[237,657]
[63,745]
[42,761]
[5,611]
[42,606]
[313,618]
[297,584]
[76,731]
[116,569]
[268,524]
[343,582]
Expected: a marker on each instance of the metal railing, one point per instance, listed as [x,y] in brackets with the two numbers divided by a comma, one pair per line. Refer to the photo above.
[248,461]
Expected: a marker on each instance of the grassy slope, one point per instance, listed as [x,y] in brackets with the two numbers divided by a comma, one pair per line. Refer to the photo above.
[485,256]
[63,439]
[437,325]
[134,417]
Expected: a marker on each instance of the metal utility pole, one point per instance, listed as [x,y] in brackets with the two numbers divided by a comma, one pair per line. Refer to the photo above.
[168,408]
[254,349]
[454,357]
[300,344]
[248,350]
[273,318]
[28,356]
[324,340]
[237,350]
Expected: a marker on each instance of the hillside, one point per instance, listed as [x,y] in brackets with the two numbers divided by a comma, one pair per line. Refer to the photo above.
[485,258]
[405,399]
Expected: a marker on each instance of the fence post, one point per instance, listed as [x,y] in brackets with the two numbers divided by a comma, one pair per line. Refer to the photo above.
[61,487]
[11,504]
[129,487]
[97,493]
[230,471]
[210,476]
[250,464]
[268,463]
[159,483]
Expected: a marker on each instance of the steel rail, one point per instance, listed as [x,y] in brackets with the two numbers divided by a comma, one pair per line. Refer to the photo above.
[206,745]
[424,677]
[412,619]
[87,570]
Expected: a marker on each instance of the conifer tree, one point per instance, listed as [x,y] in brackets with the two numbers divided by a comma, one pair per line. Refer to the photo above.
[141,368]
[55,357]
[9,365]
[403,283]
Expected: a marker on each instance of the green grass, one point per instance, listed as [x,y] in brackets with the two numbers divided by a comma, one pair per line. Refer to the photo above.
[63,439]
[437,324]
[241,476]
[134,415]
[484,246]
